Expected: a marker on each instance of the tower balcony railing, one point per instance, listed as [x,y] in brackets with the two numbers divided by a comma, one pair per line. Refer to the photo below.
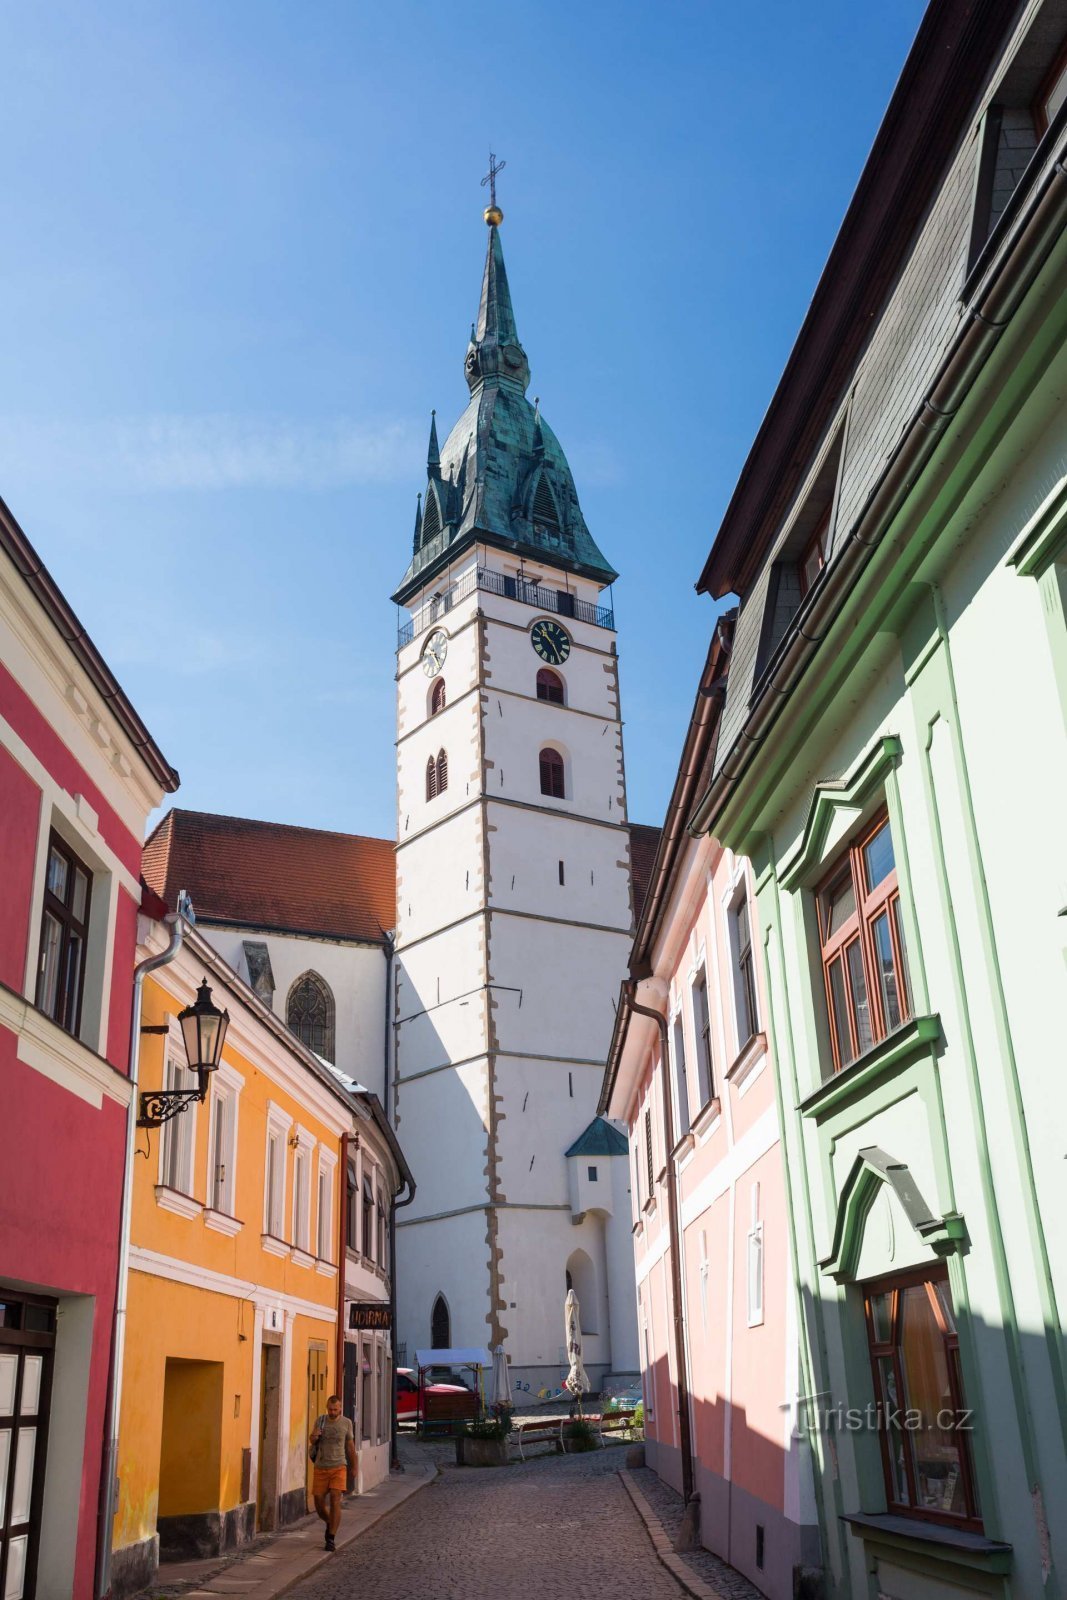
[527,594]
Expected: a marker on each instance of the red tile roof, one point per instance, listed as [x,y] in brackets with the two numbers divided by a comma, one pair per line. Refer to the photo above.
[272,876]
[644,842]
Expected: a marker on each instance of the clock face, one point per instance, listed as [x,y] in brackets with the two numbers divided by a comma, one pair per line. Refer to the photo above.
[551,642]
[433,656]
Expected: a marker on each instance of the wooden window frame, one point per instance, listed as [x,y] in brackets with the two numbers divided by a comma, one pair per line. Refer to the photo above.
[648,1155]
[552,767]
[891,1349]
[702,1034]
[367,1229]
[68,1011]
[870,905]
[1051,77]
[745,971]
[431,778]
[442,771]
[438,697]
[815,545]
[21,1342]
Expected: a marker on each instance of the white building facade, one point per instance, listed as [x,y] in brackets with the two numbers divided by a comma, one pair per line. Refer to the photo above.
[514,906]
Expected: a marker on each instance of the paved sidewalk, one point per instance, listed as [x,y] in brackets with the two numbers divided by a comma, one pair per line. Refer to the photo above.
[275,1564]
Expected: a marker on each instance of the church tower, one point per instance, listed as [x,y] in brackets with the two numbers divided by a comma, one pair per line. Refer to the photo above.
[514,911]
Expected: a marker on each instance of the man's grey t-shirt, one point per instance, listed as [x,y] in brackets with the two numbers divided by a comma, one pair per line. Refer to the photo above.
[331,1451]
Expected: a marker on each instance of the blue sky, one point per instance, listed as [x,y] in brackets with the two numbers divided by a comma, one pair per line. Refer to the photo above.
[243,246]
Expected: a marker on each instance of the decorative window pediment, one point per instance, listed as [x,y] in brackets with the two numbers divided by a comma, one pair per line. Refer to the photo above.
[835,807]
[872,1168]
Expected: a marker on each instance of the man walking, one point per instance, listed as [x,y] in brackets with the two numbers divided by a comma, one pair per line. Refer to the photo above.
[335,1450]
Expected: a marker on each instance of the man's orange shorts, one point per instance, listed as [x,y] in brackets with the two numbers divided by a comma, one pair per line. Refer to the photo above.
[326,1478]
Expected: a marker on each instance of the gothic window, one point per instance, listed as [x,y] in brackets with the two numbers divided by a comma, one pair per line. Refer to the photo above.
[437,697]
[431,778]
[309,1011]
[552,774]
[442,772]
[440,1325]
[549,686]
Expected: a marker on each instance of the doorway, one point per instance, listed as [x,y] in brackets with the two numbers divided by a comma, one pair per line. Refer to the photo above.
[27,1342]
[316,1400]
[269,1405]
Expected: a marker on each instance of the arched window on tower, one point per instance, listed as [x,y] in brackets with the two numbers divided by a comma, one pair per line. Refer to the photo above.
[437,697]
[549,686]
[431,778]
[552,784]
[440,1325]
[442,772]
[309,1011]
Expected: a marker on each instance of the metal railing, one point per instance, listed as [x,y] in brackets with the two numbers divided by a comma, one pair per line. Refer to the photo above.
[527,594]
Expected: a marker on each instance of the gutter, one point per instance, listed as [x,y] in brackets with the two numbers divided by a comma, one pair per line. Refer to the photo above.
[985,321]
[46,591]
[674,1235]
[109,1488]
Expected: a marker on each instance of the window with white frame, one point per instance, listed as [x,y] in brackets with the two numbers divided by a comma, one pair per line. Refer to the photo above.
[301,1234]
[744,973]
[681,1082]
[755,1262]
[702,1034]
[179,1134]
[278,1125]
[222,1147]
[324,1206]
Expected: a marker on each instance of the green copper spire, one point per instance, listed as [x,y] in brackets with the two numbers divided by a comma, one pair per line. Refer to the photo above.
[433,454]
[501,477]
[494,351]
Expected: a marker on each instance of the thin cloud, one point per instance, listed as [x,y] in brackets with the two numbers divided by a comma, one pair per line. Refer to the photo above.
[209,452]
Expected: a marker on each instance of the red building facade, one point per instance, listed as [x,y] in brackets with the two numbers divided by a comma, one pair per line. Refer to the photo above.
[79,775]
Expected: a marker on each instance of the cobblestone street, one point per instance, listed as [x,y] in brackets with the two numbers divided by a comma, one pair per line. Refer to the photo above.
[562,1526]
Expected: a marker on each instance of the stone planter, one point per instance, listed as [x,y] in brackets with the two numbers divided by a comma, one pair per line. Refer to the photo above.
[481,1452]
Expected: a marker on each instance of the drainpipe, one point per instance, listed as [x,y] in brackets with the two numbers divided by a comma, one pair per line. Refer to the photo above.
[342,1267]
[395,1464]
[109,1495]
[675,1238]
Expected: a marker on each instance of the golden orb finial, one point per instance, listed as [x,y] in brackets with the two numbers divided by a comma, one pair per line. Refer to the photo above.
[493,216]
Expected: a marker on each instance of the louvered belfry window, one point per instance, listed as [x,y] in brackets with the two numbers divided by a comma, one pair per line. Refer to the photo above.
[544,507]
[437,697]
[552,774]
[549,686]
[442,772]
[309,1012]
[431,778]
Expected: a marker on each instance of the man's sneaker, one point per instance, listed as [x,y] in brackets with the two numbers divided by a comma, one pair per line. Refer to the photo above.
[329,1542]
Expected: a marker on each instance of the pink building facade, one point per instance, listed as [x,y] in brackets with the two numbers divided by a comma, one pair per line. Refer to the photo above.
[79,775]
[716,1305]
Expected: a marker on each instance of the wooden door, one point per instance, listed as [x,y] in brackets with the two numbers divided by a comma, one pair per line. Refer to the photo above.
[27,1342]
[317,1395]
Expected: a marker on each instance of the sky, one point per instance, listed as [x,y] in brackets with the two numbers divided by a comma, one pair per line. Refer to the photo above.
[243,246]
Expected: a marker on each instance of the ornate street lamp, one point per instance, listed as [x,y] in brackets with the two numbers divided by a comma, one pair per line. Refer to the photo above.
[203,1028]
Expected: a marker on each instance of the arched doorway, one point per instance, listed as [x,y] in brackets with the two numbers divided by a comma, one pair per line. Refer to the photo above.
[581,1277]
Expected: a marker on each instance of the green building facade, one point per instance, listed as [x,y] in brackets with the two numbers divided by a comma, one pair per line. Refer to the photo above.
[892,757]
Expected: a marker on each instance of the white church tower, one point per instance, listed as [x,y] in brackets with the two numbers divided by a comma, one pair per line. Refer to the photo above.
[514,908]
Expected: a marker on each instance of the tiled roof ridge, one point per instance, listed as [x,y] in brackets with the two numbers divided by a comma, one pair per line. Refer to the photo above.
[263,822]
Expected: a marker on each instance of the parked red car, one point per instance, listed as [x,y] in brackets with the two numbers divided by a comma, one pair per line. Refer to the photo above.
[444,1401]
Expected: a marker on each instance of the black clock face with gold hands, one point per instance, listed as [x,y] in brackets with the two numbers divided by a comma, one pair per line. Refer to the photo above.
[551,642]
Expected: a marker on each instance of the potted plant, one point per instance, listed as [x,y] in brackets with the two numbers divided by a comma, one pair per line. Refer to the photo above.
[485,1443]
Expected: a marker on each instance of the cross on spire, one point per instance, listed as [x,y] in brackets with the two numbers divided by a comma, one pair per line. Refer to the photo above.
[495,166]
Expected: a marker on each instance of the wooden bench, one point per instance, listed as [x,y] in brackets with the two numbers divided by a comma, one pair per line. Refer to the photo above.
[546,1431]
[614,1422]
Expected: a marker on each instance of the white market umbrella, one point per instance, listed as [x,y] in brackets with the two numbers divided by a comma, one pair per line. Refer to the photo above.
[577,1379]
[500,1388]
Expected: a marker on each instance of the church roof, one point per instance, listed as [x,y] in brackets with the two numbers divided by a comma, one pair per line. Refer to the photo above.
[599,1139]
[502,477]
[274,877]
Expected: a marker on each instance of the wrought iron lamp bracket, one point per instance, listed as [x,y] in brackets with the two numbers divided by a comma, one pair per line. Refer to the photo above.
[159,1105]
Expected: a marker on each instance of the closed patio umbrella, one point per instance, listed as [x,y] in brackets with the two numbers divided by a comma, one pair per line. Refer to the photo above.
[577,1379]
[500,1388]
